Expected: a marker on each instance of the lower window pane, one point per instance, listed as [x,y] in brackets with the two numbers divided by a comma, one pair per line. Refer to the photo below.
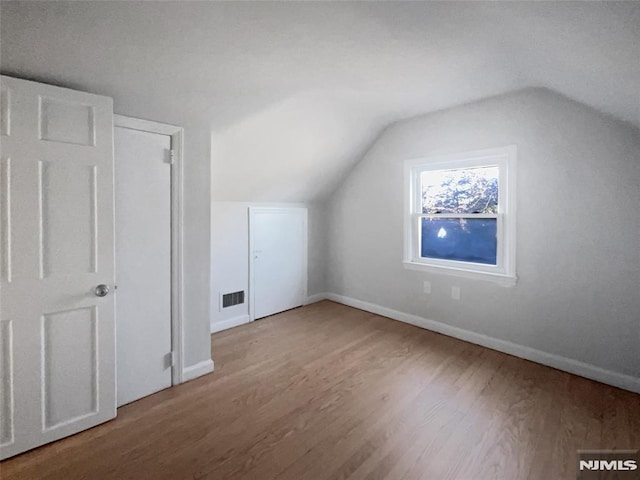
[462,239]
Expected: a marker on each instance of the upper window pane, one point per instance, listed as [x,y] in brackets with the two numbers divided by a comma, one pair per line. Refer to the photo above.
[466,190]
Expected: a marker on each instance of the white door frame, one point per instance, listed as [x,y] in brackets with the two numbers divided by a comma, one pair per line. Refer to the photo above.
[177,188]
[252,290]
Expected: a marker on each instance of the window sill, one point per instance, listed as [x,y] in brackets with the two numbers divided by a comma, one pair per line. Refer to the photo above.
[500,279]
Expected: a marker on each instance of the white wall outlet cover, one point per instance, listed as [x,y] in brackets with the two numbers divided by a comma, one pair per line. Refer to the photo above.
[427,286]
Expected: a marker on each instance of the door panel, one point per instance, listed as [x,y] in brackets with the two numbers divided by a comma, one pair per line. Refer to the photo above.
[5,104]
[57,337]
[143,262]
[61,185]
[66,122]
[6,387]
[69,344]
[278,259]
[20,193]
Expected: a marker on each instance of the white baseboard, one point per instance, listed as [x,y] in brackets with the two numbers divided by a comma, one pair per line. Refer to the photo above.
[620,380]
[315,298]
[197,370]
[230,323]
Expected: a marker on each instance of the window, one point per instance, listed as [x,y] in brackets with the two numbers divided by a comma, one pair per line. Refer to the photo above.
[461,214]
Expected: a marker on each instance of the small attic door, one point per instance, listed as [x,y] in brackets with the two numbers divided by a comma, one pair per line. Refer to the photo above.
[278,259]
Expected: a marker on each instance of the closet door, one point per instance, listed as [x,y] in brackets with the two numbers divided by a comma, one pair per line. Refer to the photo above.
[278,262]
[143,261]
[57,360]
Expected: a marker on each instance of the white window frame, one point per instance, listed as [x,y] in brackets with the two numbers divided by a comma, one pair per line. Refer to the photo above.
[504,272]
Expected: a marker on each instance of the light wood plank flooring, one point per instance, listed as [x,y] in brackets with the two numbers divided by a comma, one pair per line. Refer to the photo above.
[330,392]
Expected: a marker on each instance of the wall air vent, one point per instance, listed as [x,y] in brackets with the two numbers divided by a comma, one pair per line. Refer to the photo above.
[231,299]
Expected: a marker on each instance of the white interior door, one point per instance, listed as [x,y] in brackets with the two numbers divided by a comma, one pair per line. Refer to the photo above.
[278,262]
[57,363]
[143,262]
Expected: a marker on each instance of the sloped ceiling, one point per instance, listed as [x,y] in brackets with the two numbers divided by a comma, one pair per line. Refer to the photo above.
[294,93]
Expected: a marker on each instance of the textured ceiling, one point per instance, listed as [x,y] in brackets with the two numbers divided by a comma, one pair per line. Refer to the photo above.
[295,92]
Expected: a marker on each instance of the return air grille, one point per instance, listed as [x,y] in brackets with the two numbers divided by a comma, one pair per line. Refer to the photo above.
[231,299]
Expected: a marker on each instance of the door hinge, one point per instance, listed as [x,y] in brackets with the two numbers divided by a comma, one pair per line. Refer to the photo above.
[171,156]
[169,360]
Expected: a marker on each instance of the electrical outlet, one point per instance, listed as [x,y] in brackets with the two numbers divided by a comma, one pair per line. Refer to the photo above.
[455,293]
[427,286]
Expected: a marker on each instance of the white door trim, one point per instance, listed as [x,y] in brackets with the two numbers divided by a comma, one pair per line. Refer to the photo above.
[252,212]
[177,223]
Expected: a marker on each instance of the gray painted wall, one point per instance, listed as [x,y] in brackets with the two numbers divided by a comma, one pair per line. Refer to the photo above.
[196,242]
[578,228]
[318,233]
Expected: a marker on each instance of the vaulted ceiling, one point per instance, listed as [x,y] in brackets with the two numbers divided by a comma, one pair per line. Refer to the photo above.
[294,93]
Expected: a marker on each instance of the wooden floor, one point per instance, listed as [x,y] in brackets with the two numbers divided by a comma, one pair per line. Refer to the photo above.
[331,392]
